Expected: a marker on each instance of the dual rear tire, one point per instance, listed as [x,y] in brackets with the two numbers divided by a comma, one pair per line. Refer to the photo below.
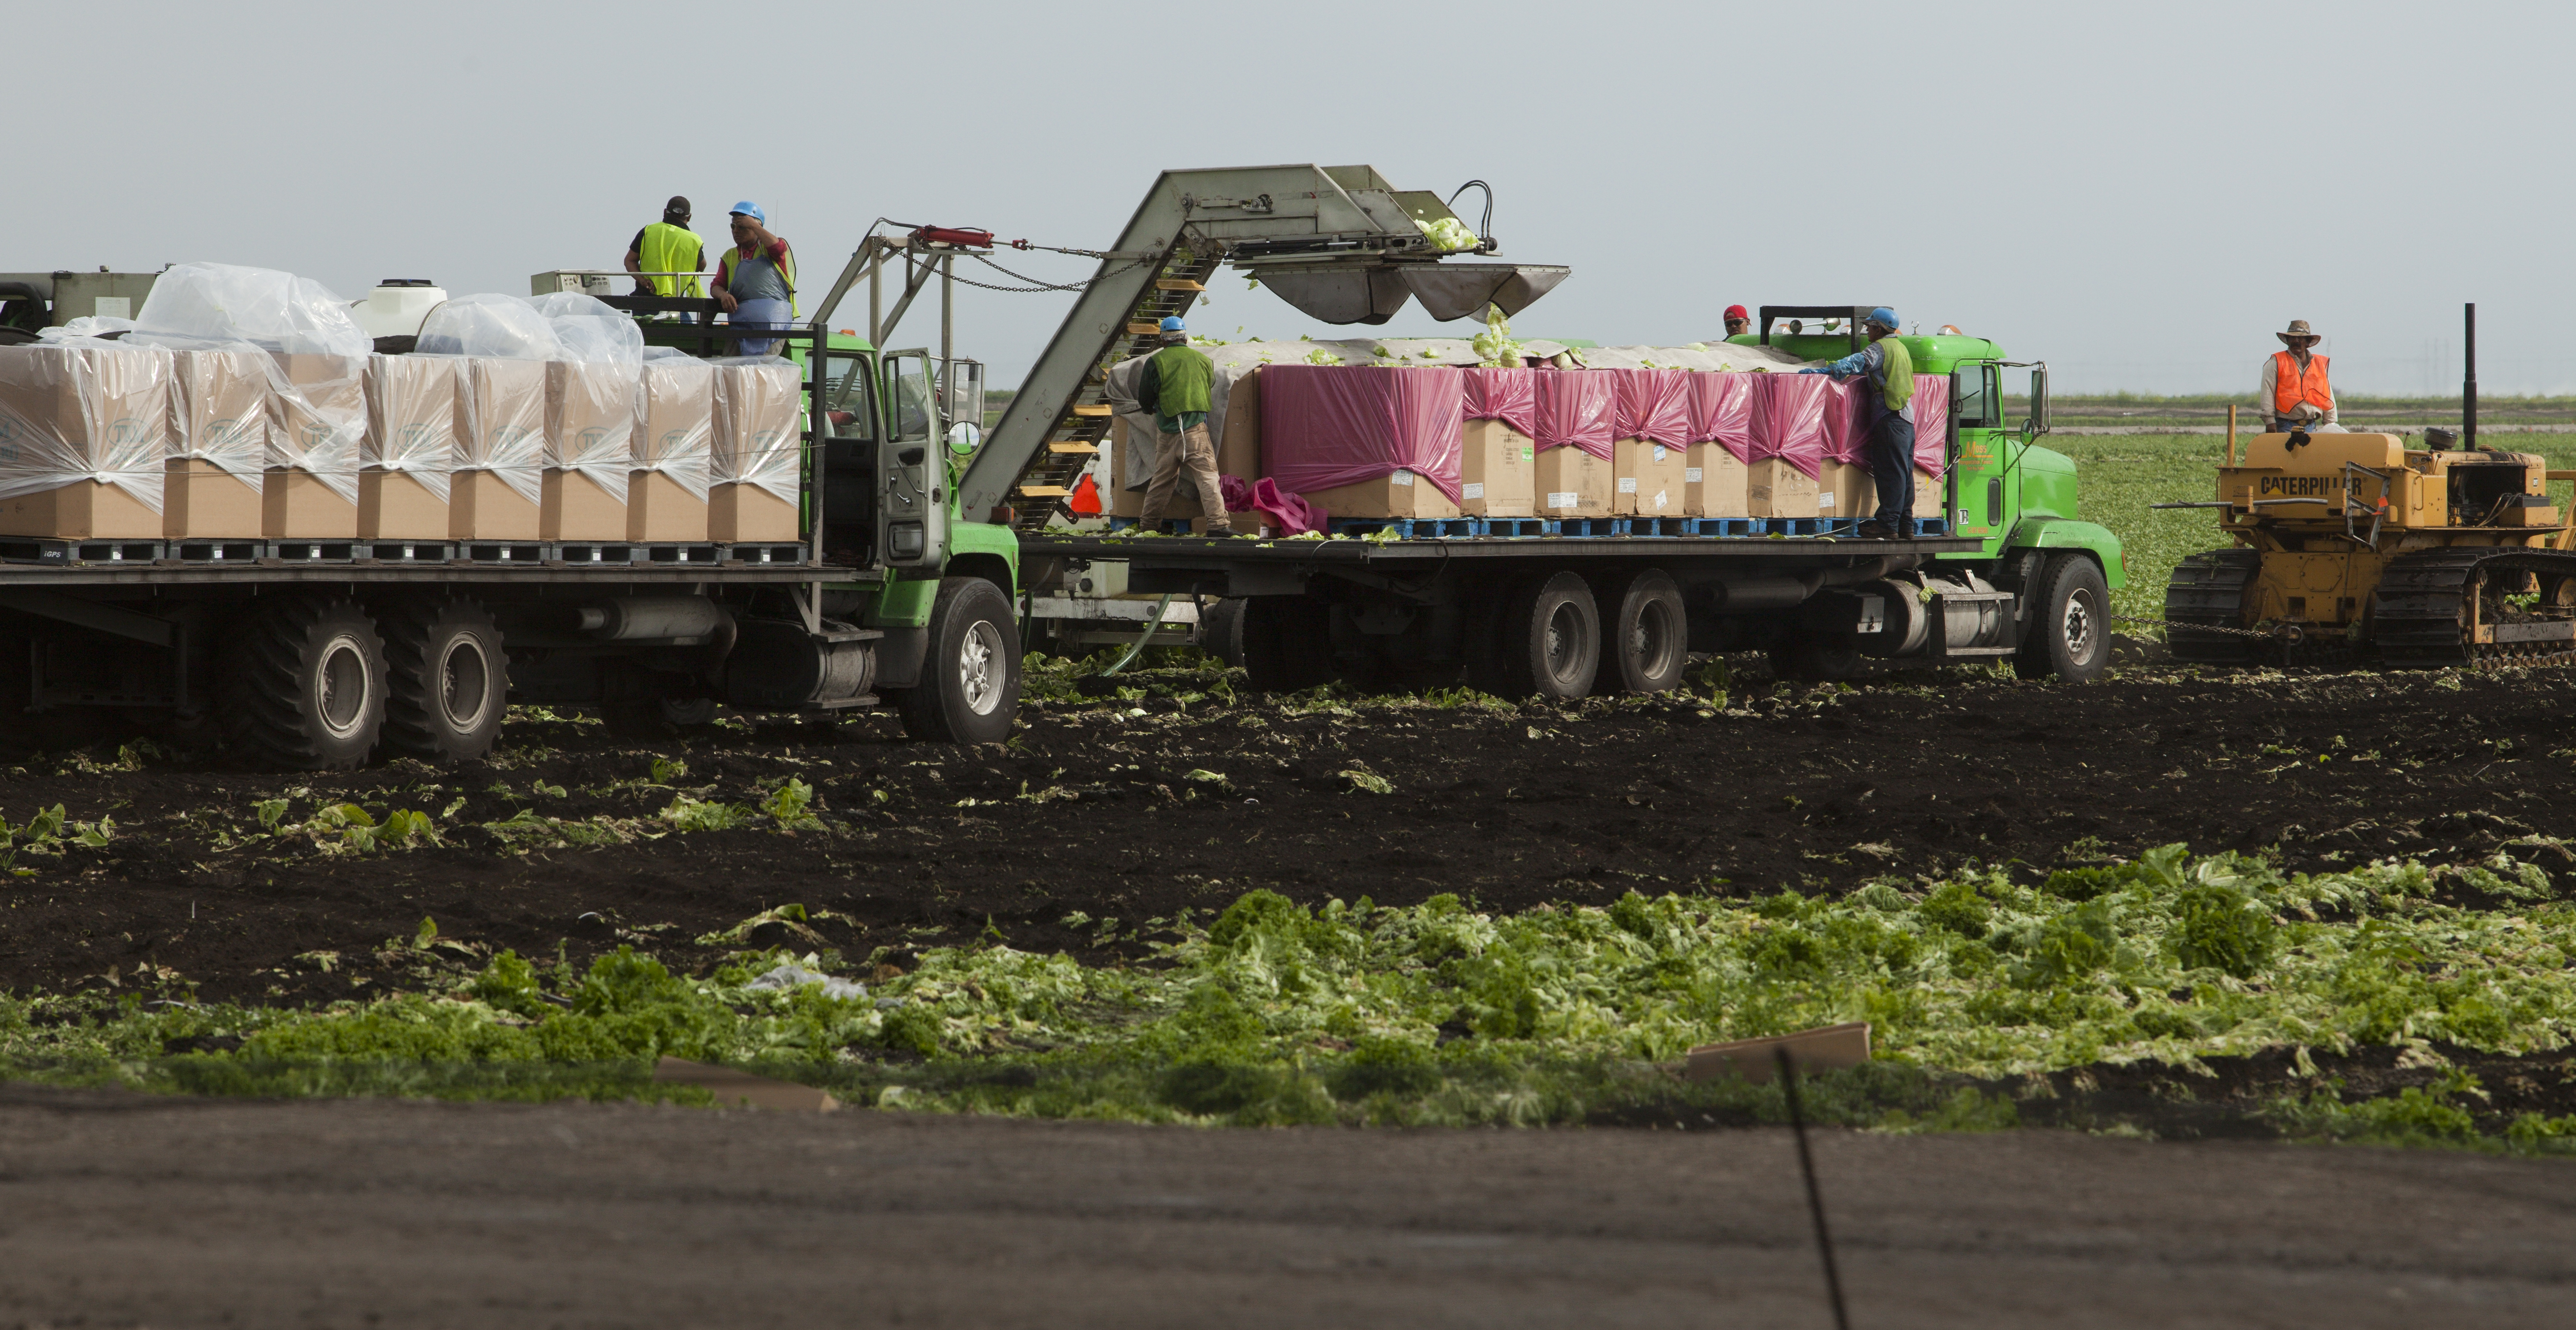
[315,683]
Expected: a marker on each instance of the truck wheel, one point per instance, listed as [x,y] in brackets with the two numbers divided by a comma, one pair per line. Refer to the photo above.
[2070,632]
[447,683]
[1287,643]
[302,685]
[1221,632]
[970,676]
[1548,643]
[1816,656]
[1648,643]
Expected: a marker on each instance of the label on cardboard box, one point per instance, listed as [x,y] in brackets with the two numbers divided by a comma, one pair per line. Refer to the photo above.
[1474,489]
[1529,452]
[1627,484]
[1401,476]
[1660,453]
[1659,498]
[1824,498]
[1561,498]
[1692,475]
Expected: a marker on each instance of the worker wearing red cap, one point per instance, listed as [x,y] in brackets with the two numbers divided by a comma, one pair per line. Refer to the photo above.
[1738,322]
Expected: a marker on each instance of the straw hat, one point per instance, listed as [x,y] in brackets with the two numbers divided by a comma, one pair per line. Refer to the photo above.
[2298,329]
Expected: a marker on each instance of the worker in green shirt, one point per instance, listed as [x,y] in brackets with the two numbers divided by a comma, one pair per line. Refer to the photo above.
[1888,409]
[1175,386]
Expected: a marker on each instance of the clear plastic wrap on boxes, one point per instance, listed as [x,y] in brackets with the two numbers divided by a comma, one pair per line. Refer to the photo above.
[1789,419]
[276,311]
[1721,411]
[1322,428]
[756,440]
[504,414]
[1574,408]
[590,420]
[591,331]
[498,326]
[675,421]
[219,409]
[318,417]
[412,407]
[82,409]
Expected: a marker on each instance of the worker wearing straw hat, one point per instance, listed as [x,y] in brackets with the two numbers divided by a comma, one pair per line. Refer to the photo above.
[2295,392]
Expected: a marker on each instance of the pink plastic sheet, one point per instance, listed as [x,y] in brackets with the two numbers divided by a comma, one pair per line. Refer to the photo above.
[1574,408]
[1846,421]
[1507,395]
[1931,423]
[1290,514]
[1789,419]
[1323,426]
[1653,404]
[1721,411]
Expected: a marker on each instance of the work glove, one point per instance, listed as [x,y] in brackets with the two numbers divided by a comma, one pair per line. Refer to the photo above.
[1814,371]
[2307,411]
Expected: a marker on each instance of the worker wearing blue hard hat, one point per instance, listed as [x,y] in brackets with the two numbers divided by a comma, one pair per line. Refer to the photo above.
[756,278]
[1175,386]
[1888,412]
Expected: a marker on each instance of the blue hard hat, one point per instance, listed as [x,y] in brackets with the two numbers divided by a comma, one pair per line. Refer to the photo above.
[1172,323]
[1884,317]
[749,209]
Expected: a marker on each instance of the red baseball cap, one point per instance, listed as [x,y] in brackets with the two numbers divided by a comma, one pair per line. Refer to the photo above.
[1736,312]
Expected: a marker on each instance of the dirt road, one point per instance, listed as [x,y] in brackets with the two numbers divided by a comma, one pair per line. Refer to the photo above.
[126,1211]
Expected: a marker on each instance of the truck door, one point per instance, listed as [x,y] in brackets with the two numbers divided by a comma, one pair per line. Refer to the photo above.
[1976,462]
[912,476]
[849,483]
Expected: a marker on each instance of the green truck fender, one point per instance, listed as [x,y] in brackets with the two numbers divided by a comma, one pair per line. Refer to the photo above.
[975,549]
[2060,533]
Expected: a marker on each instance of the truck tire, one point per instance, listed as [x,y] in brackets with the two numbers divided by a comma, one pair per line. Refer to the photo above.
[1548,643]
[970,677]
[302,685]
[1287,643]
[1221,632]
[447,681]
[2070,627]
[1646,647]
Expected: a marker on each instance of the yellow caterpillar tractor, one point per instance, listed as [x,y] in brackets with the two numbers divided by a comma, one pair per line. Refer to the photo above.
[2426,556]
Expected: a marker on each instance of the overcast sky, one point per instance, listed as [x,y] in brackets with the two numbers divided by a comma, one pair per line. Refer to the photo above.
[2141,195]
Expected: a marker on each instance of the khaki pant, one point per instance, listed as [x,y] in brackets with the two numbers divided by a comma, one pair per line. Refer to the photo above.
[1191,449]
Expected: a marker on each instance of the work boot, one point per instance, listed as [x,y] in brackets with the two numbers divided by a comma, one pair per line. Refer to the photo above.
[1874,531]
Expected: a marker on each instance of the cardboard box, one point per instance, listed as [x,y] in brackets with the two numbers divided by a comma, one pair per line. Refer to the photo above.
[590,422]
[1844,490]
[398,505]
[1647,478]
[482,506]
[573,505]
[745,512]
[82,510]
[660,508]
[755,439]
[1402,494]
[1714,482]
[1570,482]
[413,416]
[1775,487]
[294,504]
[202,500]
[1496,464]
[502,435]
[1931,495]
[1238,442]
[318,428]
[68,410]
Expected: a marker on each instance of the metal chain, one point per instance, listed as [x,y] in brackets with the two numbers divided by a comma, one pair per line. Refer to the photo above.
[2199,627]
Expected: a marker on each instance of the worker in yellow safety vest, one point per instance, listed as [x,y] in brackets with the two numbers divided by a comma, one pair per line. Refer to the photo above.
[668,246]
[756,278]
[2295,392]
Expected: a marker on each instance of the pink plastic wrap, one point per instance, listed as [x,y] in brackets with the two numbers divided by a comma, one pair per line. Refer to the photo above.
[1721,411]
[1931,423]
[1507,395]
[1573,407]
[1289,514]
[1789,419]
[1652,404]
[1323,426]
[1846,427]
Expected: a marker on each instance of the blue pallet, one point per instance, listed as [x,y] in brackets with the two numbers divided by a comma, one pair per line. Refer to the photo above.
[1406,528]
[1931,526]
[1719,526]
[1515,526]
[1592,526]
[1797,526]
[1663,526]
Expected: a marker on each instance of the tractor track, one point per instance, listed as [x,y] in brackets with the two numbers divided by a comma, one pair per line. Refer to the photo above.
[2418,619]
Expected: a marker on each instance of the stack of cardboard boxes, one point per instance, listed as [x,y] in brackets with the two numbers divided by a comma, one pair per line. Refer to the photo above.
[666,492]
[218,460]
[754,463]
[409,460]
[70,415]
[590,446]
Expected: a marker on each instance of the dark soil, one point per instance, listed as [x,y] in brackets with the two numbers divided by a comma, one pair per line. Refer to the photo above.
[1815,789]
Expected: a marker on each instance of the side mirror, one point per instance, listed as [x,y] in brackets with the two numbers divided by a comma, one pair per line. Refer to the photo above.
[2038,423]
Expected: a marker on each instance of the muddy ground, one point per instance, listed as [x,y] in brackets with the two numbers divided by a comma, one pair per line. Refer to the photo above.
[1093,808]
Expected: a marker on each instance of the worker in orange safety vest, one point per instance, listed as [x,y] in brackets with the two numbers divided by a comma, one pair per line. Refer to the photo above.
[2295,392]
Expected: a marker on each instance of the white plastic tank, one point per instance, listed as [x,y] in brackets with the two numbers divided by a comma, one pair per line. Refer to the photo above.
[396,307]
